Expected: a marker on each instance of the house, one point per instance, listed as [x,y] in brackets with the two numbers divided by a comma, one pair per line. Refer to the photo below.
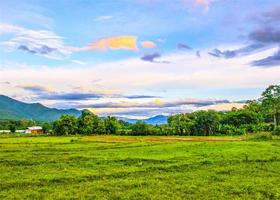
[34,130]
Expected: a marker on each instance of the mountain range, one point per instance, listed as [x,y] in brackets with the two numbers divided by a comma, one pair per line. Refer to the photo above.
[156,120]
[11,109]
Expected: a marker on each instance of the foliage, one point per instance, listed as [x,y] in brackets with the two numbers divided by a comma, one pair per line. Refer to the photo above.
[12,127]
[89,123]
[271,101]
[241,117]
[276,131]
[257,116]
[142,128]
[66,125]
[259,136]
[206,122]
[112,126]
[180,124]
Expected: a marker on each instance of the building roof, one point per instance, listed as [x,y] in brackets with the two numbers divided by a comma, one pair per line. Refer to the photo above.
[35,128]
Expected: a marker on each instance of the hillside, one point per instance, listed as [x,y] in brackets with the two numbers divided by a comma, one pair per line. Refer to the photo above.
[13,109]
[156,120]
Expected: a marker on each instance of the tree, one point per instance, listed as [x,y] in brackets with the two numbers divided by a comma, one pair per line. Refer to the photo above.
[180,124]
[241,117]
[46,127]
[206,122]
[112,126]
[12,127]
[271,100]
[90,123]
[142,128]
[66,125]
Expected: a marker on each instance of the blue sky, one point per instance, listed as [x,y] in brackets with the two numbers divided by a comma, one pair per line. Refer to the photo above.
[138,58]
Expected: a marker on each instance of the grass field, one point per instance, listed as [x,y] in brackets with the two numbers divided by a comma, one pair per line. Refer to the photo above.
[119,167]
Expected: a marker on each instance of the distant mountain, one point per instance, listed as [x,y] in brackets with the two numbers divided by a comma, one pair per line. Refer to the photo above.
[13,109]
[156,120]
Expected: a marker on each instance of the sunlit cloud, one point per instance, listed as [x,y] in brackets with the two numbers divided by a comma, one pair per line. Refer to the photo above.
[148,45]
[115,43]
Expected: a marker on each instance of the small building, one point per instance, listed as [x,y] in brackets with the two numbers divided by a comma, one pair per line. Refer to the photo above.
[34,130]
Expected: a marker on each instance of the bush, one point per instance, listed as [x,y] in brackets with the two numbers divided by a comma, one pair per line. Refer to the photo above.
[276,131]
[227,129]
[259,136]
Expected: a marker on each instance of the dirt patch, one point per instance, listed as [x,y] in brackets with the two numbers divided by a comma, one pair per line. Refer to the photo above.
[133,139]
[203,139]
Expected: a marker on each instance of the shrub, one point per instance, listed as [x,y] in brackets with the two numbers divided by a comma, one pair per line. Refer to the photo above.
[259,136]
[227,129]
[276,131]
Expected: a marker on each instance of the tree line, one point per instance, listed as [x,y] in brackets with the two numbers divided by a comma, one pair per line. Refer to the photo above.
[260,115]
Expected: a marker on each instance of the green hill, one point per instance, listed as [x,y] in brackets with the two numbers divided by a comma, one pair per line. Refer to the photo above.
[13,109]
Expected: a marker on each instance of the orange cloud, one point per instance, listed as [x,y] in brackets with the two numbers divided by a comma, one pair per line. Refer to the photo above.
[148,45]
[114,43]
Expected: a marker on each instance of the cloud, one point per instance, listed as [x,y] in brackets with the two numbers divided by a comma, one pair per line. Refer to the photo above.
[185,75]
[270,61]
[197,53]
[103,18]
[33,88]
[247,50]
[202,3]
[78,62]
[140,96]
[183,46]
[40,42]
[265,35]
[157,103]
[148,45]
[223,106]
[6,83]
[44,93]
[114,43]
[151,57]
[48,44]
[156,107]
[69,96]
[41,50]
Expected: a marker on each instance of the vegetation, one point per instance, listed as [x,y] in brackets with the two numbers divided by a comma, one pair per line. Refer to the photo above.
[123,167]
[241,161]
[257,116]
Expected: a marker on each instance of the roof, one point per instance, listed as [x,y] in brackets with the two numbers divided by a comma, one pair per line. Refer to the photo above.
[35,128]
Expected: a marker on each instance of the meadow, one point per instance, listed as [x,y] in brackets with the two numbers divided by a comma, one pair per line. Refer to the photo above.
[127,167]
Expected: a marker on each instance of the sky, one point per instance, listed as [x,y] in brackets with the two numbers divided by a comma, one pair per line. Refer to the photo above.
[138,58]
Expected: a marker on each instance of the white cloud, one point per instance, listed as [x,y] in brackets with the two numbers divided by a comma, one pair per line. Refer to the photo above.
[103,18]
[40,42]
[184,74]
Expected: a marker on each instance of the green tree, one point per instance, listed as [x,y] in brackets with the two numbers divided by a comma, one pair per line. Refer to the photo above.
[46,127]
[12,127]
[66,125]
[271,101]
[142,128]
[206,122]
[180,124]
[241,117]
[112,126]
[90,123]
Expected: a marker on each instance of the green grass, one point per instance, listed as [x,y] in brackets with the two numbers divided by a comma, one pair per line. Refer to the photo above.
[118,167]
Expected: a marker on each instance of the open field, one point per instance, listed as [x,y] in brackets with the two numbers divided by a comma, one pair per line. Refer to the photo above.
[119,167]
